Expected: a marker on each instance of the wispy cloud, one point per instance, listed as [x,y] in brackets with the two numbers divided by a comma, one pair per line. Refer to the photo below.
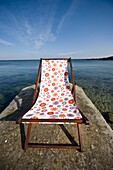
[34,27]
[71,53]
[31,28]
[4,42]
[66,15]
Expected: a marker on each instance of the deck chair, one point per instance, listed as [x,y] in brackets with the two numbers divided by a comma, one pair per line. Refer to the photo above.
[56,100]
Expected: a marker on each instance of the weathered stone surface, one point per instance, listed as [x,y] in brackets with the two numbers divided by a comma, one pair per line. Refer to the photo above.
[97,139]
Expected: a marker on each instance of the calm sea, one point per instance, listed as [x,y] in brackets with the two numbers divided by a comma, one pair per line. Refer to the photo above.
[94,76]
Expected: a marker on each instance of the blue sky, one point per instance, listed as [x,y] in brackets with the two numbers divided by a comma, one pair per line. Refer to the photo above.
[30,29]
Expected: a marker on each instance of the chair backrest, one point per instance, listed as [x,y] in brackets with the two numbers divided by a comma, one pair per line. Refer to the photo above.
[54,75]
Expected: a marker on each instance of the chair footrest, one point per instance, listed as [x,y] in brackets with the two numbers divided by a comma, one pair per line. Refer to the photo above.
[62,146]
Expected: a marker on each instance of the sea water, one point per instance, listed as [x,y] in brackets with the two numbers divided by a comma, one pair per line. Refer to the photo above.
[94,76]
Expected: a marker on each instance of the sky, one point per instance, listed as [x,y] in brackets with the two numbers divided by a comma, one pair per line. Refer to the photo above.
[30,29]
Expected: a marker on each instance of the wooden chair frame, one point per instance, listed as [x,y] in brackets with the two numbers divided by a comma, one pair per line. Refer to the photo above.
[77,122]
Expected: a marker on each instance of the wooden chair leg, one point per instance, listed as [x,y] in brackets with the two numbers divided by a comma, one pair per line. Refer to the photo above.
[80,147]
[79,137]
[27,136]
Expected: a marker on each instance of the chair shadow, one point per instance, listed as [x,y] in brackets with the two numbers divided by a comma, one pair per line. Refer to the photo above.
[22,134]
[22,107]
[71,138]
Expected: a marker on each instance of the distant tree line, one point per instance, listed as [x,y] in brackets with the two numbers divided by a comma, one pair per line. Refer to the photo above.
[105,58]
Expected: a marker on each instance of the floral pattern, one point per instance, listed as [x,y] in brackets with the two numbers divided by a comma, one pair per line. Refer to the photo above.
[55,100]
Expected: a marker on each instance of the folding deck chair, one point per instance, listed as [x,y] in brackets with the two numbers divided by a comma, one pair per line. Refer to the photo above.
[55,101]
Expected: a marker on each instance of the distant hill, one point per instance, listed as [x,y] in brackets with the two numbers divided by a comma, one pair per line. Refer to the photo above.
[105,58]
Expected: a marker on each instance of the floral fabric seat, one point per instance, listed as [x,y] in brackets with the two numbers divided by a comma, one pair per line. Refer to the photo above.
[55,100]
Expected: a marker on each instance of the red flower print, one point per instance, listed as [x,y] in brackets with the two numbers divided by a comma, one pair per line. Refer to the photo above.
[44,110]
[67,87]
[52,91]
[50,105]
[53,84]
[46,89]
[34,117]
[42,104]
[54,108]
[41,113]
[47,74]
[54,64]
[64,109]
[50,113]
[66,73]
[55,94]
[52,99]
[62,116]
[74,111]
[78,117]
[53,69]
[71,101]
[55,79]
[37,112]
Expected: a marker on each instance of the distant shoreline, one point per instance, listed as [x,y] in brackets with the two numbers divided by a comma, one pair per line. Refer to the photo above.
[105,58]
